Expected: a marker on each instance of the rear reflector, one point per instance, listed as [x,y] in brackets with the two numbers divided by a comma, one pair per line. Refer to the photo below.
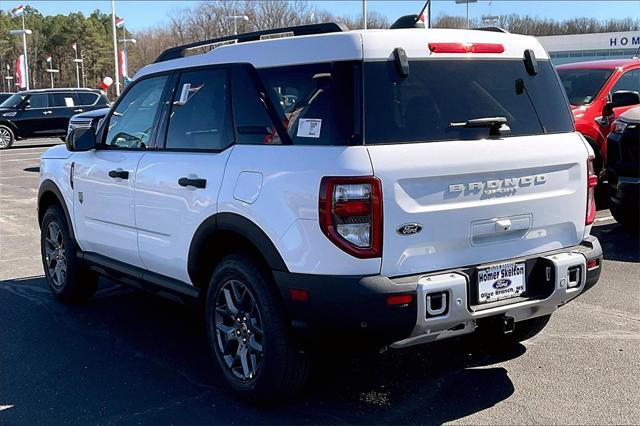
[592,264]
[592,181]
[466,48]
[299,295]
[400,299]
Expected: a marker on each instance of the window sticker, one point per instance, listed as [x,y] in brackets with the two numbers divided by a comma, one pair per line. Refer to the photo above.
[68,102]
[309,127]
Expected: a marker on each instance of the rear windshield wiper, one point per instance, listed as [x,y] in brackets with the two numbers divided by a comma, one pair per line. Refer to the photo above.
[496,125]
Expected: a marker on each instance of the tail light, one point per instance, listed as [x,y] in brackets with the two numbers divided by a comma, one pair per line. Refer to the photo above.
[466,48]
[592,181]
[351,214]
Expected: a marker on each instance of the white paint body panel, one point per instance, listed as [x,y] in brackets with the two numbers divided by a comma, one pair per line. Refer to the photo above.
[287,207]
[168,214]
[416,181]
[105,222]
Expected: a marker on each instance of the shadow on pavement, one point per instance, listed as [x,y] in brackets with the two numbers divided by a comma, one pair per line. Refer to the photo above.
[32,169]
[618,243]
[127,357]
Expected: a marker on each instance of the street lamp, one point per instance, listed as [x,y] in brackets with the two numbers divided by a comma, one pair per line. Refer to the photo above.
[52,71]
[235,21]
[467,3]
[23,32]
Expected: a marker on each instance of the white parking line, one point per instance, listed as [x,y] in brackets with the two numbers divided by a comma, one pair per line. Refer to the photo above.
[604,219]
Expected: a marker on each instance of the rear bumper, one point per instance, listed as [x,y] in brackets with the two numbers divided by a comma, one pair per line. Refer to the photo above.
[355,309]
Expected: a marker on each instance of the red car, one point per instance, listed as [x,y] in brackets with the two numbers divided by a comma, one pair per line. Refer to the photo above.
[599,91]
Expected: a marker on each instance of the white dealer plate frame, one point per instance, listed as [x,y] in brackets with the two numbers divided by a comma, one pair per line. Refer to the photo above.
[501,281]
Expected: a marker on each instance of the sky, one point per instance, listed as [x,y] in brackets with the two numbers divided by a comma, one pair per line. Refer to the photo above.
[143,14]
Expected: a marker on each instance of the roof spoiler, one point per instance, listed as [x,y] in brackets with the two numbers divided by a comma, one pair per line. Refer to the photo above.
[492,29]
[300,30]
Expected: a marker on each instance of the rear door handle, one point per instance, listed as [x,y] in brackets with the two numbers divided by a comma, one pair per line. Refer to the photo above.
[122,174]
[77,110]
[47,112]
[196,182]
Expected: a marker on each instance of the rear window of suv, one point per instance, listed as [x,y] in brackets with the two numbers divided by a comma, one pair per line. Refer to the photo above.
[436,93]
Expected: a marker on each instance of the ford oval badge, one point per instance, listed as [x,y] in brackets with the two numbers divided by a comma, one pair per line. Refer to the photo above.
[409,229]
[503,283]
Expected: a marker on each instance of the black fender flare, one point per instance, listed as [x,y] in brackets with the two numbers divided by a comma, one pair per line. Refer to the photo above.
[237,224]
[49,187]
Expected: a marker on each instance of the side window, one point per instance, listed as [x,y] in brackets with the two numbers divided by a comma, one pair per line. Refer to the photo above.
[628,81]
[315,102]
[132,122]
[62,99]
[40,100]
[86,98]
[202,120]
[253,124]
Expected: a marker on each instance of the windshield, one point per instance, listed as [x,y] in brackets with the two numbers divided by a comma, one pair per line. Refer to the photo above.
[438,98]
[583,85]
[13,101]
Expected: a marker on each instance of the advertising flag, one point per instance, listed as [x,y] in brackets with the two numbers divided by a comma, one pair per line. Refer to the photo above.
[21,72]
[18,11]
[119,22]
[123,63]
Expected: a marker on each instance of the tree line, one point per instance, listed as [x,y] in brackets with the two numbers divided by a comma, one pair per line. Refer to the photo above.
[54,35]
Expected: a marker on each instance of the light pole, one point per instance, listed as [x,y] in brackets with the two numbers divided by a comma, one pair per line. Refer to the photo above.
[235,19]
[52,71]
[84,80]
[115,46]
[364,14]
[467,4]
[24,33]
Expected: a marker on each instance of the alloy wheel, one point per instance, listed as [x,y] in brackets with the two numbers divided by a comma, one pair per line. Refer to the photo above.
[5,138]
[55,257]
[239,332]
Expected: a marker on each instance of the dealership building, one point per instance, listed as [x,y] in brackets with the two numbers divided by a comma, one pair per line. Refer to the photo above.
[565,49]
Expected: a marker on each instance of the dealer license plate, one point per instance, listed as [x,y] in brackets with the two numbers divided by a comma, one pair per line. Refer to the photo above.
[499,282]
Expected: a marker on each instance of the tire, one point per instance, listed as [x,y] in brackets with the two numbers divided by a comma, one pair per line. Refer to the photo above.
[6,137]
[628,219]
[523,330]
[242,304]
[68,280]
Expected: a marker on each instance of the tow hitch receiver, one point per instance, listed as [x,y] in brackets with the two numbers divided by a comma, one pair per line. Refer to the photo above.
[508,325]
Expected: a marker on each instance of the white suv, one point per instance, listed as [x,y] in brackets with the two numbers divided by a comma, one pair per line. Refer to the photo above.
[313,185]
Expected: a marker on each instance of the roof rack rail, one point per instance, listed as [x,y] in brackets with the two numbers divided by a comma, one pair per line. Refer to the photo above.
[492,29]
[300,30]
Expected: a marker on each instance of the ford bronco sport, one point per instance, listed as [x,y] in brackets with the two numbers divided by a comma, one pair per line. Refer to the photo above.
[314,185]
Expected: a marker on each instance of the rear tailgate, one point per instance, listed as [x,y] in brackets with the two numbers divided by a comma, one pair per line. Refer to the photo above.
[480,201]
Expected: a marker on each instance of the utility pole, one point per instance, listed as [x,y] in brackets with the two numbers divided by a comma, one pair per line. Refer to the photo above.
[466,2]
[115,46]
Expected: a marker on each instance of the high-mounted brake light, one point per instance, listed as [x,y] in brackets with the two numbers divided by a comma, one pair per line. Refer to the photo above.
[351,214]
[592,181]
[466,48]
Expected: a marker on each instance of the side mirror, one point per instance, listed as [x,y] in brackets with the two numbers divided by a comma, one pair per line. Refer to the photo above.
[624,98]
[81,139]
[26,104]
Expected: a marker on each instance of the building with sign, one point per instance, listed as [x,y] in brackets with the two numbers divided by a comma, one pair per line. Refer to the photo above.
[565,49]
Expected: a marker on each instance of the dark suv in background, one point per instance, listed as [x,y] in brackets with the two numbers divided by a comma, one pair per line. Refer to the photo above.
[44,113]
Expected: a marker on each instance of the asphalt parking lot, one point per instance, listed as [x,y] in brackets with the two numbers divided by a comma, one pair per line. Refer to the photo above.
[128,357]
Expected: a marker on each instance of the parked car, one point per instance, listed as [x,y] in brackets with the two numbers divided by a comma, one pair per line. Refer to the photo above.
[4,96]
[326,188]
[623,169]
[44,113]
[599,91]
[86,119]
